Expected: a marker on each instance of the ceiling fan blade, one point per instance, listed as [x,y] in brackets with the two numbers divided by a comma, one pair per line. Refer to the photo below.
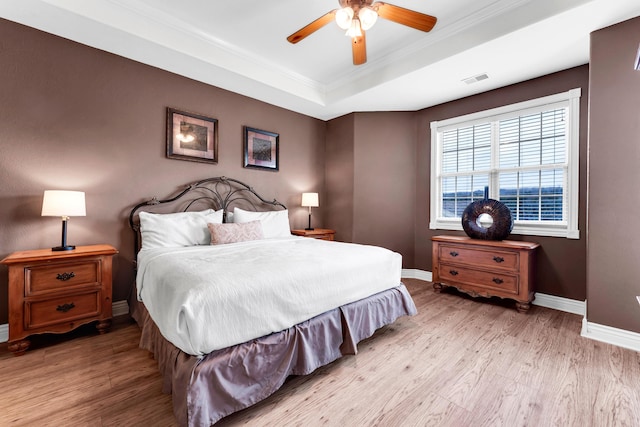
[403,16]
[359,49]
[312,27]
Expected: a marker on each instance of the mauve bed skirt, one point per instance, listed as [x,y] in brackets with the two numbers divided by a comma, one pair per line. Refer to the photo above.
[206,389]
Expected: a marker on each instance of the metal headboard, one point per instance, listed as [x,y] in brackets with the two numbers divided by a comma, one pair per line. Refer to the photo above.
[215,193]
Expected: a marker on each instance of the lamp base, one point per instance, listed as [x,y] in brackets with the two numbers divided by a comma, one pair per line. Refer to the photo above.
[309,228]
[63,248]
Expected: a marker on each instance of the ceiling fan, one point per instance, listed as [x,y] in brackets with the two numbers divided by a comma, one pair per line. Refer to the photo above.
[357,16]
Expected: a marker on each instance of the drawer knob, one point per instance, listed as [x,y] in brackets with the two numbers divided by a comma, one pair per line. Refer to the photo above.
[497,280]
[453,272]
[65,307]
[65,276]
[498,259]
[453,254]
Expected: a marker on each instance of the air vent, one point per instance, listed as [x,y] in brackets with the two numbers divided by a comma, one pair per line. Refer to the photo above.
[474,79]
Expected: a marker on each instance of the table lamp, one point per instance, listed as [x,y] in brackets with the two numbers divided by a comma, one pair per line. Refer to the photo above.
[63,204]
[310,200]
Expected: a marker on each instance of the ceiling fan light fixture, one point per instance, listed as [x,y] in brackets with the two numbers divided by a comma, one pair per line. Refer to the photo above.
[344,17]
[354,30]
[358,16]
[367,17]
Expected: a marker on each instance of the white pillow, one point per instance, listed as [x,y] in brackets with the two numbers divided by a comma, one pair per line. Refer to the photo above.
[274,223]
[177,229]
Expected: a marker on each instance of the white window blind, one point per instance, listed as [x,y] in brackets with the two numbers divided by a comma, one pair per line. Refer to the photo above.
[466,164]
[525,155]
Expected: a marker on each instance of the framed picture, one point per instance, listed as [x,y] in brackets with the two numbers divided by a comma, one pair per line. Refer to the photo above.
[261,149]
[191,137]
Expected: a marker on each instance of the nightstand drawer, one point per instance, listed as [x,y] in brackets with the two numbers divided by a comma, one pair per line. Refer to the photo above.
[327,236]
[316,233]
[43,279]
[39,314]
[478,257]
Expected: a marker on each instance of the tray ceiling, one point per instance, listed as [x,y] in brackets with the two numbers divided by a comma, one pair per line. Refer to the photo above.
[241,46]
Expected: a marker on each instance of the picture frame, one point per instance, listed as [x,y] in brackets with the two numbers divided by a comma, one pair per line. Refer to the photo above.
[192,137]
[261,149]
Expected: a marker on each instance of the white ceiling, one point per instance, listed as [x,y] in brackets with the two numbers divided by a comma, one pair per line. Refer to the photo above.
[240,45]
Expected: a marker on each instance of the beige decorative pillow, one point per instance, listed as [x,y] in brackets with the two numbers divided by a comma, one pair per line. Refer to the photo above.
[235,232]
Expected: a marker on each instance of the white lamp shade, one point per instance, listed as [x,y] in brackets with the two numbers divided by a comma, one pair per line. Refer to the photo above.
[367,17]
[355,29]
[63,203]
[344,17]
[310,200]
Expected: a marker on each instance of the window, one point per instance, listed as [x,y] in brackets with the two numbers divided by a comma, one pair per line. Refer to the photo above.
[525,155]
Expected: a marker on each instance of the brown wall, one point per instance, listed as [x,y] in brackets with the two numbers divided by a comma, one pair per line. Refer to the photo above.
[613,267]
[384,199]
[339,177]
[370,180]
[561,262]
[74,117]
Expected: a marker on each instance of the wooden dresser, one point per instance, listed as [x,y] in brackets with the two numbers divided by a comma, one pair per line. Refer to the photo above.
[316,233]
[58,291]
[486,268]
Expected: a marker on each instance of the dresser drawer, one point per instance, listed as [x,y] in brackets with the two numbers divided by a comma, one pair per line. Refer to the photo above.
[478,257]
[487,280]
[39,314]
[53,277]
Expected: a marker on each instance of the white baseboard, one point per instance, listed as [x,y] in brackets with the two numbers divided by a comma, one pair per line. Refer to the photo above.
[607,334]
[119,308]
[562,304]
[4,333]
[412,273]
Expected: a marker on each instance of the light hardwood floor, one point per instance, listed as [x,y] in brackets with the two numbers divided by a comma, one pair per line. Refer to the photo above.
[459,362]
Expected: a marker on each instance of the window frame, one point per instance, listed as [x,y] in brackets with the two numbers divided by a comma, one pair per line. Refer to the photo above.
[569,100]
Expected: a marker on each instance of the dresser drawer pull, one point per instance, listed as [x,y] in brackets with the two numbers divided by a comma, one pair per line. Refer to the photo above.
[453,272]
[498,259]
[65,307]
[453,254]
[497,280]
[65,276]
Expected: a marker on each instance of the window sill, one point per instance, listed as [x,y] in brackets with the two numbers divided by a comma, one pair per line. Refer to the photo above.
[532,230]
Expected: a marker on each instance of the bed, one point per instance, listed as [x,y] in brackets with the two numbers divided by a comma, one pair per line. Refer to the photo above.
[230,304]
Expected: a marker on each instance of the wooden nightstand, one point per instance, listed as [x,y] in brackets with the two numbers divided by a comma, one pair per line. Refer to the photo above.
[316,233]
[55,292]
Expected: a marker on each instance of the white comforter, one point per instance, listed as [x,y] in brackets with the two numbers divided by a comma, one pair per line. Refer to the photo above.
[205,298]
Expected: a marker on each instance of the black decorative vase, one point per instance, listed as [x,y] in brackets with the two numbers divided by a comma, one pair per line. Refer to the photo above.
[487,219]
